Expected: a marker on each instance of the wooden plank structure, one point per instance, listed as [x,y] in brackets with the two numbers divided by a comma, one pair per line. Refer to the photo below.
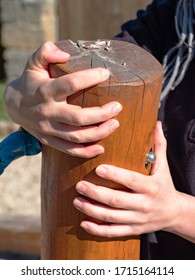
[135,82]
[95,19]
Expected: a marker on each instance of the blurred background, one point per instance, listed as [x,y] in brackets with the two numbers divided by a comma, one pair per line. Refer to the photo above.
[24,25]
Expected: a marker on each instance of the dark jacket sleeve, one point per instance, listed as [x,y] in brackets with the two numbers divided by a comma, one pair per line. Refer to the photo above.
[154,28]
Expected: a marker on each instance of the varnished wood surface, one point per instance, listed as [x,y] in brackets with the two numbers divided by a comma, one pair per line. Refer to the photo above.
[135,82]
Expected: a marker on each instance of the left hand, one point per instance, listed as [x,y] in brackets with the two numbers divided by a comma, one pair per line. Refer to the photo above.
[153,203]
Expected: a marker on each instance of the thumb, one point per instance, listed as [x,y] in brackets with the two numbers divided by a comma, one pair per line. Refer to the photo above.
[46,54]
[160,148]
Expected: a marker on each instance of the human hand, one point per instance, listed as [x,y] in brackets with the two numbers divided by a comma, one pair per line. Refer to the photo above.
[150,203]
[39,104]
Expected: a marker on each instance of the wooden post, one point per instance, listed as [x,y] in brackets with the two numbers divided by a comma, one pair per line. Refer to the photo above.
[135,82]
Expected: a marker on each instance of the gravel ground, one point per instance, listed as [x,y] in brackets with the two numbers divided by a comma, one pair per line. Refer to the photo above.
[20,187]
[19,190]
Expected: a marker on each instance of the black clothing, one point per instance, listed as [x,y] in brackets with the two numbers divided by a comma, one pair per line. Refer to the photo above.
[154,29]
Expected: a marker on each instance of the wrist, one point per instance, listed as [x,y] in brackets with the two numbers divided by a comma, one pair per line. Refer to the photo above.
[183,223]
[11,99]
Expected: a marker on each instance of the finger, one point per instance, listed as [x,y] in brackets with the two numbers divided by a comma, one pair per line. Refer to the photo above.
[78,116]
[132,180]
[103,213]
[109,230]
[160,141]
[113,198]
[160,148]
[75,115]
[47,53]
[79,150]
[66,85]
[77,134]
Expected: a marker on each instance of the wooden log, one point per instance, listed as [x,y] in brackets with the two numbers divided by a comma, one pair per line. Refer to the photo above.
[135,82]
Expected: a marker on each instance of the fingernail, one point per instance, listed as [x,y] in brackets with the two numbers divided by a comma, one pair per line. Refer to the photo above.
[105,74]
[101,170]
[98,150]
[77,204]
[114,126]
[62,54]
[117,108]
[84,226]
[80,187]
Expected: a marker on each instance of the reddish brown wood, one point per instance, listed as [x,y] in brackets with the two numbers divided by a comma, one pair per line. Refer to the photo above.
[135,82]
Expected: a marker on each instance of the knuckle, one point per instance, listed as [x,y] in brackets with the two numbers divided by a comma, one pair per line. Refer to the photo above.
[136,230]
[76,118]
[71,86]
[109,234]
[42,93]
[131,179]
[43,140]
[145,208]
[75,138]
[107,217]
[40,53]
[146,217]
[44,127]
[46,45]
[155,190]
[42,111]
[44,49]
[114,201]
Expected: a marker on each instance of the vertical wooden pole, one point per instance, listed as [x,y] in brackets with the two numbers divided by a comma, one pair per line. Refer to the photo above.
[135,82]
[97,18]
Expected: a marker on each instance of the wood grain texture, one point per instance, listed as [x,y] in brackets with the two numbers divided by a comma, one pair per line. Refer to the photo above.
[95,19]
[135,82]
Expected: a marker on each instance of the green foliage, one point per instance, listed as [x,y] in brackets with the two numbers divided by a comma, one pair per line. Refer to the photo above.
[3,114]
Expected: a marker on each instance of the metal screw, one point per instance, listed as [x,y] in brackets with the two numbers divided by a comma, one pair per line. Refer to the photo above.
[150,159]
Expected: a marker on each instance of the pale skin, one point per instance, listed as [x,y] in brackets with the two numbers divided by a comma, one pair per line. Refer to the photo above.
[153,205]
[39,104]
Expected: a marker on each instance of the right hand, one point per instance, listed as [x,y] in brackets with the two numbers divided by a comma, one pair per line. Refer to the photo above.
[39,104]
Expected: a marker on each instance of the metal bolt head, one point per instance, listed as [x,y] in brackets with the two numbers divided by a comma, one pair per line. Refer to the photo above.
[150,157]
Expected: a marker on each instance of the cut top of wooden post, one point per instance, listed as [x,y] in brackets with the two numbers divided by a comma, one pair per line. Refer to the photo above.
[127,63]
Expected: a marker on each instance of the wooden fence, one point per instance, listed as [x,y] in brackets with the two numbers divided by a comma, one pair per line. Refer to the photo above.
[93,19]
